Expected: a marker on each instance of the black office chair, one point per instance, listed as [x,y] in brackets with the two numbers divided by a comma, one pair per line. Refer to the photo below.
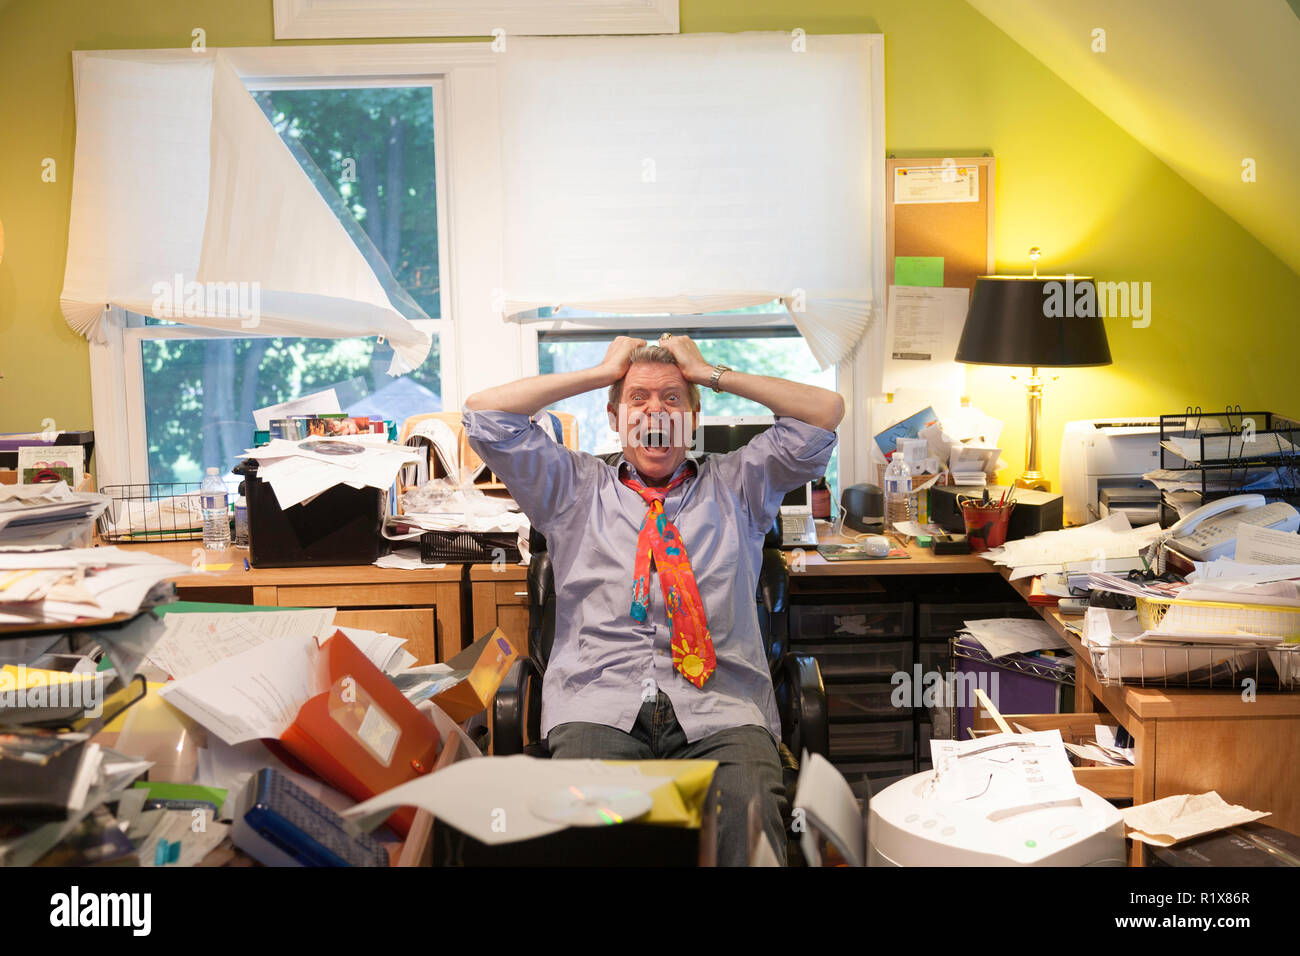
[796,680]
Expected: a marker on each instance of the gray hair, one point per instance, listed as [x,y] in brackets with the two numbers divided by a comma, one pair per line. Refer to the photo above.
[653,353]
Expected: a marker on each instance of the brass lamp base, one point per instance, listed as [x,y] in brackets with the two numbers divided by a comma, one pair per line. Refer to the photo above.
[1033,481]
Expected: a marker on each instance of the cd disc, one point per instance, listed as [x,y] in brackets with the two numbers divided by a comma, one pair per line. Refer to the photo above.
[591,806]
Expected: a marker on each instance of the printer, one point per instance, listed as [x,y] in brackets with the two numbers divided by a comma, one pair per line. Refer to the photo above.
[990,816]
[1102,464]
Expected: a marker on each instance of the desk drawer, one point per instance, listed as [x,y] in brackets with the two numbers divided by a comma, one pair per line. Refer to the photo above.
[416,624]
[857,702]
[871,741]
[861,663]
[938,622]
[850,622]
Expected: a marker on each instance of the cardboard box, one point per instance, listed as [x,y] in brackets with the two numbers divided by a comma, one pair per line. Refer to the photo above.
[487,661]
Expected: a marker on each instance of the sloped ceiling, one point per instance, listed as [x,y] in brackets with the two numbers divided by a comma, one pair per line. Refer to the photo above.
[1203,84]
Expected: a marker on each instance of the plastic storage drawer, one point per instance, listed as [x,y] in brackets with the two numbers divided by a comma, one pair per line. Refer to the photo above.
[938,622]
[864,702]
[867,779]
[871,741]
[850,622]
[862,663]
[935,657]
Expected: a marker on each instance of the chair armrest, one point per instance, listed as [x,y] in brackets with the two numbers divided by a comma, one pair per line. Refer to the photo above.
[801,699]
[508,709]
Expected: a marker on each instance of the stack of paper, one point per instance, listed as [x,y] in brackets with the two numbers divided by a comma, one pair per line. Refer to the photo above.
[46,516]
[1110,538]
[80,584]
[298,471]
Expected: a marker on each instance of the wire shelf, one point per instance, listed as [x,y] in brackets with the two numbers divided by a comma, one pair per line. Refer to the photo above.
[152,511]
[1211,666]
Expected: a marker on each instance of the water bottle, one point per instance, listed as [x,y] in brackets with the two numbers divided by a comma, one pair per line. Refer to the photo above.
[216,518]
[898,488]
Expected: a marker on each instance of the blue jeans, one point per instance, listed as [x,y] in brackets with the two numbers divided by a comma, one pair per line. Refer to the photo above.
[748,766]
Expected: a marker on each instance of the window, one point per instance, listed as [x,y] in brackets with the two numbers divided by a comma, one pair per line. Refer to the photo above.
[772,350]
[370,151]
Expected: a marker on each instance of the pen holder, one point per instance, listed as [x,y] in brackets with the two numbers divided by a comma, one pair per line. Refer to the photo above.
[986,525]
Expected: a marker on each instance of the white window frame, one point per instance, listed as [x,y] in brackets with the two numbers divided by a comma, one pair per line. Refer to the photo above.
[354,19]
[466,143]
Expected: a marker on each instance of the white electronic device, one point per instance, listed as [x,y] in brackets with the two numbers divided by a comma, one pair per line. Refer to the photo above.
[797,526]
[1210,531]
[1105,453]
[909,825]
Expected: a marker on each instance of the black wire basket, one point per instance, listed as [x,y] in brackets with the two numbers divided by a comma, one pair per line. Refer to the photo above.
[152,511]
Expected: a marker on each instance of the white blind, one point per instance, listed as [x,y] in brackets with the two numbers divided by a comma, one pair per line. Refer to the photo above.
[693,173]
[187,206]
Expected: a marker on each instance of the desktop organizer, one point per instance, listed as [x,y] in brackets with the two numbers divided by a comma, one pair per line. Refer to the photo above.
[1272,662]
[1230,445]
[151,523]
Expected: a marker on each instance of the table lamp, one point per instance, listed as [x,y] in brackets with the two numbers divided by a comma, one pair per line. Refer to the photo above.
[1035,321]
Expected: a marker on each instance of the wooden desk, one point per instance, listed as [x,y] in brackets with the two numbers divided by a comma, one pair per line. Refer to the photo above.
[1191,741]
[423,605]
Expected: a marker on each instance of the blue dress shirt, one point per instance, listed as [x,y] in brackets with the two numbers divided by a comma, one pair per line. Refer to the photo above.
[603,660]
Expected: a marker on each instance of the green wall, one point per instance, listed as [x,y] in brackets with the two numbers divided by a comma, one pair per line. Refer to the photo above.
[1223,323]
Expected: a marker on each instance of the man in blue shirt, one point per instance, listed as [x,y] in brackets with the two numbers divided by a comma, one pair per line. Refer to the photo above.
[625,680]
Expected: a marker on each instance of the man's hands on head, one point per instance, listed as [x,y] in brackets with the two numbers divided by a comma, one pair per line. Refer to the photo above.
[618,357]
[695,369]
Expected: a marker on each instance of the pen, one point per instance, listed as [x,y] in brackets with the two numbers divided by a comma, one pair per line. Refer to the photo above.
[245,564]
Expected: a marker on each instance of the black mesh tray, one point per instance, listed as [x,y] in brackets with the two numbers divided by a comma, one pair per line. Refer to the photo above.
[468,547]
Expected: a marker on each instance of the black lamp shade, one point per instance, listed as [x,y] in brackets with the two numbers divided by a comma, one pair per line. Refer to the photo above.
[1045,321]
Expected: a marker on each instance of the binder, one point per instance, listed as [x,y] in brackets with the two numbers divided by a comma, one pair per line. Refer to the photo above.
[362,736]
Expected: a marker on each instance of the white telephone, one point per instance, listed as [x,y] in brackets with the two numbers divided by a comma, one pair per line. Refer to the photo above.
[1210,531]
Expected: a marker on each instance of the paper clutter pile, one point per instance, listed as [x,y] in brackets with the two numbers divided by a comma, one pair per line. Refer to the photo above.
[298,471]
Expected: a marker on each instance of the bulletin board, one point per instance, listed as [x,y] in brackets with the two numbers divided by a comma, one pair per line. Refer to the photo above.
[938,239]
[959,232]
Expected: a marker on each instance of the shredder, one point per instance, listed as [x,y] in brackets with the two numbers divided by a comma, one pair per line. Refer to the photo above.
[907,825]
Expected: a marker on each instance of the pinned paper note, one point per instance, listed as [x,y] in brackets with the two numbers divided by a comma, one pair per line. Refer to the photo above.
[918,270]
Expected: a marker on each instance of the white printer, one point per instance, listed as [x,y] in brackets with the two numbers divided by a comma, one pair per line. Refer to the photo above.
[998,813]
[1107,454]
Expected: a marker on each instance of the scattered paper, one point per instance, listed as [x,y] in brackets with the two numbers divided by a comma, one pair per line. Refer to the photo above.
[1014,635]
[1256,545]
[472,795]
[1174,819]
[254,694]
[194,642]
[827,800]
[177,826]
[1010,772]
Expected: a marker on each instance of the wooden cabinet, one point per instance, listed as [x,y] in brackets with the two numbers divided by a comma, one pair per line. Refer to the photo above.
[499,598]
[423,605]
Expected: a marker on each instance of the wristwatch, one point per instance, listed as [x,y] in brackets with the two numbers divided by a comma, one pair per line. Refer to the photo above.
[717,374]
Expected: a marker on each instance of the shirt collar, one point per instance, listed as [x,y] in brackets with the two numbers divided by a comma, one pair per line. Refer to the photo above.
[689,463]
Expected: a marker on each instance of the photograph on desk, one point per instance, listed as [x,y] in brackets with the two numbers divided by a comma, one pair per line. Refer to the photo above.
[648,434]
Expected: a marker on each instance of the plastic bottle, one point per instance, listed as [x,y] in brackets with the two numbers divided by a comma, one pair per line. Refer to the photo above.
[898,488]
[216,517]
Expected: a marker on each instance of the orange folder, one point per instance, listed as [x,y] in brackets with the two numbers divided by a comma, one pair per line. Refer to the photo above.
[362,736]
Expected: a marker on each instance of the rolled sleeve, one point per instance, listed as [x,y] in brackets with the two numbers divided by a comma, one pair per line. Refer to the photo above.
[542,475]
[787,455]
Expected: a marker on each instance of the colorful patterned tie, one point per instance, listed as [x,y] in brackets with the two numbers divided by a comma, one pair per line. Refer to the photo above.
[658,539]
